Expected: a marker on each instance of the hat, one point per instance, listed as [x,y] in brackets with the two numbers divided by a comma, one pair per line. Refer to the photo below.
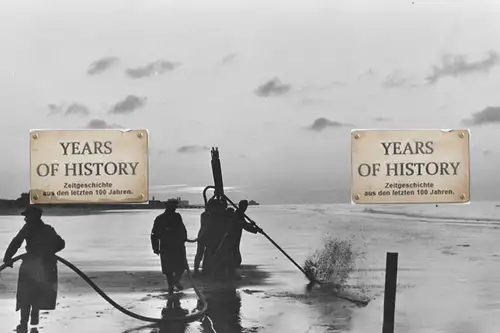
[32,211]
[172,202]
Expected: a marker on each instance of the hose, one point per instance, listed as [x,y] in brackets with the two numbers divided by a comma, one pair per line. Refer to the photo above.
[187,318]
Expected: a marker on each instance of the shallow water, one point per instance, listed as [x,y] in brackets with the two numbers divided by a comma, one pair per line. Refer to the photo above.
[448,275]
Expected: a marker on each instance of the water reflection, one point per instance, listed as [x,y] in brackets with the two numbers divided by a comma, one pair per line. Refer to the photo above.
[223,315]
[223,302]
[172,310]
[224,311]
[333,310]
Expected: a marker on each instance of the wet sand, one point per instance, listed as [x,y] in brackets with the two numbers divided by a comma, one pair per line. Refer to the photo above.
[447,279]
[114,251]
[145,293]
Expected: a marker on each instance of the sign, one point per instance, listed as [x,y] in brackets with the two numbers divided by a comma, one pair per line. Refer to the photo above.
[89,166]
[410,166]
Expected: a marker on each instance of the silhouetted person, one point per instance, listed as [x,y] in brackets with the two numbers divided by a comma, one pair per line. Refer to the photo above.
[212,234]
[223,260]
[239,224]
[38,277]
[168,238]
[201,244]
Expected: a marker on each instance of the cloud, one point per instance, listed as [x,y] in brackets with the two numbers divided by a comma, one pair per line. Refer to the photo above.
[101,124]
[101,65]
[272,87]
[321,124]
[456,65]
[155,68]
[74,109]
[488,115]
[381,119]
[193,149]
[228,59]
[55,109]
[77,109]
[128,105]
[395,80]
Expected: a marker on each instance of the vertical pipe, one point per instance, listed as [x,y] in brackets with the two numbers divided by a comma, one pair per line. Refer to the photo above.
[217,173]
[391,278]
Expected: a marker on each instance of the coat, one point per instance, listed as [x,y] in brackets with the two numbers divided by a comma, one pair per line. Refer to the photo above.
[212,234]
[237,226]
[38,278]
[168,237]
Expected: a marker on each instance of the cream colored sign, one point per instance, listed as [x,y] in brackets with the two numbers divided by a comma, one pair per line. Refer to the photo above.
[410,166]
[89,166]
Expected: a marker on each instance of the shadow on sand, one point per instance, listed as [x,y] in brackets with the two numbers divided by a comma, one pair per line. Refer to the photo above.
[224,306]
[321,308]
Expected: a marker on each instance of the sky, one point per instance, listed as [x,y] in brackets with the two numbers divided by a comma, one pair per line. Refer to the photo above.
[276,85]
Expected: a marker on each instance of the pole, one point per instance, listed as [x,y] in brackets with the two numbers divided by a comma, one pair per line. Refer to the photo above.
[391,278]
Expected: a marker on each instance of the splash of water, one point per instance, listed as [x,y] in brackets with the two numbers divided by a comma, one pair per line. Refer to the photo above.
[332,263]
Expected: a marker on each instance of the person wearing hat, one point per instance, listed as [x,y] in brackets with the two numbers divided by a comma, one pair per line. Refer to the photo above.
[168,239]
[38,279]
[228,255]
[239,224]
[212,233]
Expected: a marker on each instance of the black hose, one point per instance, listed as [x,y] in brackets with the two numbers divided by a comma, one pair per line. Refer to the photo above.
[187,318]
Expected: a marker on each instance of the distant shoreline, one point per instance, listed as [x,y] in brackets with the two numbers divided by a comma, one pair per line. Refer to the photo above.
[72,210]
[15,207]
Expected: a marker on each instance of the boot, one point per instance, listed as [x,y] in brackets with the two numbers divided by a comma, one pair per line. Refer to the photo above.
[34,317]
[22,328]
[23,325]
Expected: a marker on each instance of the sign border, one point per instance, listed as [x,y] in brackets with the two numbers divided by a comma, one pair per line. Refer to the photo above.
[467,199]
[144,132]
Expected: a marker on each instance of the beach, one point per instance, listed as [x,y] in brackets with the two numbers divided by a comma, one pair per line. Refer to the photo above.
[447,279]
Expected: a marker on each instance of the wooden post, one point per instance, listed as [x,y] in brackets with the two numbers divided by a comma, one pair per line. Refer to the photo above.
[391,279]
